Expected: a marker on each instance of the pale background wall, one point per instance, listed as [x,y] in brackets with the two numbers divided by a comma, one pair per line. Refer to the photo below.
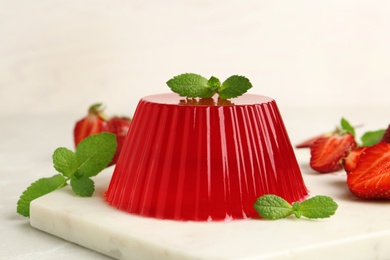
[59,56]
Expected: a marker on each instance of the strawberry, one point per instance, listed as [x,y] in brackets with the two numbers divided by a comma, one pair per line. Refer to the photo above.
[327,152]
[308,142]
[386,135]
[351,160]
[118,126]
[96,121]
[371,177]
[92,123]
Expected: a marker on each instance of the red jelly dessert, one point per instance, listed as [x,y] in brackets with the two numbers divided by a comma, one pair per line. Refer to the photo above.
[204,159]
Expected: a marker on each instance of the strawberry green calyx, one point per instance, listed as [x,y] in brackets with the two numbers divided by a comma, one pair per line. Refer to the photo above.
[347,127]
[192,85]
[367,139]
[97,109]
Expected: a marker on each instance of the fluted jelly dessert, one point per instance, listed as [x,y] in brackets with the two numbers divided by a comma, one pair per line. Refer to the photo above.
[204,159]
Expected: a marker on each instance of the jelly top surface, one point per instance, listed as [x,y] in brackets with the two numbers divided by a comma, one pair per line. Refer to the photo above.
[175,99]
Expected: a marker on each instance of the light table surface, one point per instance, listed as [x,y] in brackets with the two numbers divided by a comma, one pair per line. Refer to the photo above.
[27,143]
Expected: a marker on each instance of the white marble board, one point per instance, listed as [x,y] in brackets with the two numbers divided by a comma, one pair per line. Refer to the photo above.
[358,230]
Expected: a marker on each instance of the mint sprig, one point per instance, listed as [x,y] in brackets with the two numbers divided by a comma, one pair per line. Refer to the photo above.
[92,155]
[192,85]
[274,207]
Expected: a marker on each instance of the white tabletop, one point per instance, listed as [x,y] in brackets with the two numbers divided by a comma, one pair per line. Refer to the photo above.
[27,143]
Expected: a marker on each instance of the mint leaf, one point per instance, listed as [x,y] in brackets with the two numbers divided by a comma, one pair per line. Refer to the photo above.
[234,86]
[190,85]
[65,161]
[83,187]
[372,137]
[214,83]
[317,207]
[272,207]
[296,209]
[195,86]
[37,189]
[92,155]
[346,126]
[95,152]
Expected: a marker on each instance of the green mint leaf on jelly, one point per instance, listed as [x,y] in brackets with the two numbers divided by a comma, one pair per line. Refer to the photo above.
[372,137]
[37,189]
[214,83]
[346,126]
[234,86]
[274,207]
[83,186]
[64,161]
[190,85]
[92,155]
[95,152]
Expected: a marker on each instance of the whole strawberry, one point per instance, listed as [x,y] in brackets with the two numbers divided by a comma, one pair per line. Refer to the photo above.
[118,126]
[370,179]
[94,122]
[328,152]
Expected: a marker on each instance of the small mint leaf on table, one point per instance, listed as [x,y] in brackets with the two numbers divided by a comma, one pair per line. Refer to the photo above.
[83,186]
[64,161]
[37,189]
[296,209]
[372,137]
[234,86]
[95,152]
[274,207]
[318,207]
[190,85]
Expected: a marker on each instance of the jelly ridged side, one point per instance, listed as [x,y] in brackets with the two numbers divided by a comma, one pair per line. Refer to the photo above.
[204,162]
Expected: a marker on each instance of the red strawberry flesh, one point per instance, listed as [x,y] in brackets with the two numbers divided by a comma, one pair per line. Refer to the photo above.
[92,123]
[309,142]
[327,152]
[351,160]
[118,126]
[371,177]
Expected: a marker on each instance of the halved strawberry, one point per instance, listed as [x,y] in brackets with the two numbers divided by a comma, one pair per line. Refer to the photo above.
[92,123]
[386,135]
[352,158]
[371,177]
[118,126]
[327,152]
